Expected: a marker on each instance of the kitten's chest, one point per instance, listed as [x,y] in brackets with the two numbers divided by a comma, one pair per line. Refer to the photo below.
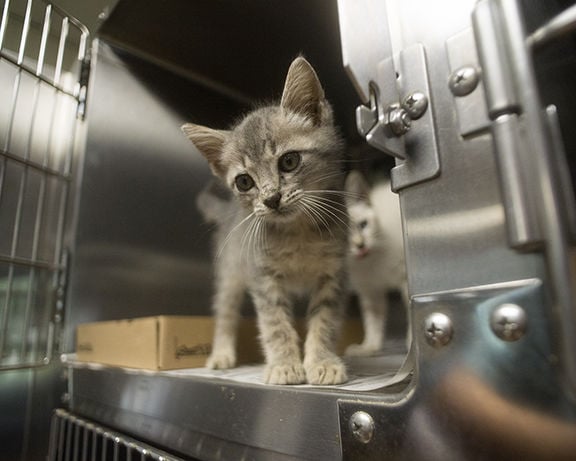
[302,257]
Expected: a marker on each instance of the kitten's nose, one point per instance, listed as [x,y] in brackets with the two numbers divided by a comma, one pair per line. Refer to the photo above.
[273,201]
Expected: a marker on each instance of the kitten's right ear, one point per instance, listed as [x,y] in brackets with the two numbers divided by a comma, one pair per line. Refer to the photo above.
[357,187]
[209,142]
[303,92]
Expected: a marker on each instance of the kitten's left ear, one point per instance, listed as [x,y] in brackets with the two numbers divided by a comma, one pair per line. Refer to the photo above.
[303,92]
[209,142]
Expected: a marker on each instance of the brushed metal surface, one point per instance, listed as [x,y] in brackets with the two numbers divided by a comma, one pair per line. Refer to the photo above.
[141,247]
[214,419]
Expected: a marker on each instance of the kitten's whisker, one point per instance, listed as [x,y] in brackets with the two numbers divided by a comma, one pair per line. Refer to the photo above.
[331,210]
[341,193]
[231,233]
[313,217]
[320,217]
[258,240]
[262,236]
[336,215]
[253,237]
[247,239]
[335,203]
[323,177]
[332,204]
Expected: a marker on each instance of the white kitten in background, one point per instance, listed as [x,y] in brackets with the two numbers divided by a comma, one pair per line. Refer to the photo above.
[376,256]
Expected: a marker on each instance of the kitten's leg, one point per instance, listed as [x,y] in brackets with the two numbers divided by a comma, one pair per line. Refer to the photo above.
[325,310]
[374,309]
[280,340]
[228,299]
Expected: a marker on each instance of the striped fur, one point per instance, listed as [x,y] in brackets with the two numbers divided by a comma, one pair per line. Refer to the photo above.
[284,234]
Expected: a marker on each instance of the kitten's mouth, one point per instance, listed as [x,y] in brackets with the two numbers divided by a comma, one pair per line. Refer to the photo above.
[361,253]
[283,214]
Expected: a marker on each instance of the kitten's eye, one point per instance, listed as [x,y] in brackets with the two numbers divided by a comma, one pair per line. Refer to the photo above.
[362,224]
[244,182]
[289,162]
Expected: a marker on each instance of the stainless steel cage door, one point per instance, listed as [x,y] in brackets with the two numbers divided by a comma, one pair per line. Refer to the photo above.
[42,63]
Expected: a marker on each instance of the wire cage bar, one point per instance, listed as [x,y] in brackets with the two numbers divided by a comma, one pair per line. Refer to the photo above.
[42,55]
[75,439]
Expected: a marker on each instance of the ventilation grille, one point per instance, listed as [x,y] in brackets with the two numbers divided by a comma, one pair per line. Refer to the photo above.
[75,439]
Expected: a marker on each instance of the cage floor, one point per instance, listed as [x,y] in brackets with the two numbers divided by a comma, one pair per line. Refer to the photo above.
[232,414]
[364,373]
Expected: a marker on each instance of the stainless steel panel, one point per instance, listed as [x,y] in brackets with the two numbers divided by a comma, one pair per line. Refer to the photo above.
[470,399]
[448,244]
[461,265]
[141,247]
[215,419]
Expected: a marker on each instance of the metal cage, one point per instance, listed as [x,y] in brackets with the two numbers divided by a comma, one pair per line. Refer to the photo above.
[484,186]
[42,56]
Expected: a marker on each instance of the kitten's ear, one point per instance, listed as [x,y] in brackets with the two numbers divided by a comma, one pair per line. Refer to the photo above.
[357,187]
[209,142]
[303,92]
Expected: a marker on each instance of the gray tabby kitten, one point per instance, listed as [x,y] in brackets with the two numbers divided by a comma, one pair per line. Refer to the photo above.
[287,236]
[376,257]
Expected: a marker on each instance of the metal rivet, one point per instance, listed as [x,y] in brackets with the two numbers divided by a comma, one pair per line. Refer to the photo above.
[397,120]
[362,426]
[438,329]
[508,322]
[464,80]
[415,104]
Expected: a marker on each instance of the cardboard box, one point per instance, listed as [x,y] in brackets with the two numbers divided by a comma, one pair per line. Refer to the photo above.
[171,342]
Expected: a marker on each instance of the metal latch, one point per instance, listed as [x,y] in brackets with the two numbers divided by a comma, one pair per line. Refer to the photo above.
[398,118]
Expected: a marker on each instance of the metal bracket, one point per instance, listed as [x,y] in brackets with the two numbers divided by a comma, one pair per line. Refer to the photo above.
[470,105]
[388,123]
[517,113]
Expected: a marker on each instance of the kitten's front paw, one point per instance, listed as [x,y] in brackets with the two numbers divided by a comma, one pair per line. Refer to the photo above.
[221,361]
[284,374]
[330,371]
[362,350]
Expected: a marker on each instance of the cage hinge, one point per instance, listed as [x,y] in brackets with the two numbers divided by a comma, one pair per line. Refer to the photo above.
[85,69]
[60,285]
[537,196]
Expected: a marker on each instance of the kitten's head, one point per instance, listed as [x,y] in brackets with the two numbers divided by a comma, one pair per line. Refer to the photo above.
[363,222]
[277,155]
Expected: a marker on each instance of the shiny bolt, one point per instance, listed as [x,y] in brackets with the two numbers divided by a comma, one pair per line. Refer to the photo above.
[438,329]
[415,104]
[397,120]
[508,322]
[362,426]
[464,81]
